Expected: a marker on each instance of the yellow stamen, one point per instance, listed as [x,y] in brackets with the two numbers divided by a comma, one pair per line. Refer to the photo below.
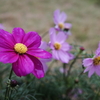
[20,48]
[57,46]
[96,61]
[37,57]
[61,25]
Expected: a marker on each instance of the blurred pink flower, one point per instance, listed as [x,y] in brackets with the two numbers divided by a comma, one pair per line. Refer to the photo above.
[1,26]
[75,92]
[21,49]
[44,46]
[59,20]
[97,52]
[62,70]
[60,49]
[93,64]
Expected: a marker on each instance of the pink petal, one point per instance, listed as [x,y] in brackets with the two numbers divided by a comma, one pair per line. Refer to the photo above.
[68,25]
[39,53]
[64,57]
[7,49]
[51,45]
[66,47]
[6,39]
[71,56]
[43,45]
[97,52]
[87,68]
[52,33]
[32,40]
[56,16]
[57,28]
[62,17]
[38,68]
[8,56]
[18,34]
[91,72]
[61,37]
[97,70]
[45,67]
[55,54]
[46,60]
[87,62]
[1,26]
[23,66]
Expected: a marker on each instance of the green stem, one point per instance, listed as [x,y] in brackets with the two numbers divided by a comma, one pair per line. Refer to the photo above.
[44,34]
[50,66]
[64,70]
[96,96]
[8,88]
[10,94]
[10,74]
[71,65]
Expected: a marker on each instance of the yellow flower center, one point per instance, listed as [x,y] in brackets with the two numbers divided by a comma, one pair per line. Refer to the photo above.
[61,25]
[20,48]
[57,46]
[96,61]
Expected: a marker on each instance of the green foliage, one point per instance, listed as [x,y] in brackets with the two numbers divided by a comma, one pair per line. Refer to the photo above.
[54,87]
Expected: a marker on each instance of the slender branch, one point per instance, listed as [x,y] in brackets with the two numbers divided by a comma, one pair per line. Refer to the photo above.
[50,66]
[44,34]
[71,65]
[64,70]
[10,74]
[8,88]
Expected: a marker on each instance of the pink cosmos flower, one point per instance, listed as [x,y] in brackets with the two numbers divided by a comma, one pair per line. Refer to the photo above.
[21,49]
[60,49]
[44,46]
[93,64]
[59,20]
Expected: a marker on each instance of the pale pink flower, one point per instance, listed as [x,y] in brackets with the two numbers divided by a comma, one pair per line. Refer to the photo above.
[44,46]
[59,20]
[93,64]
[60,48]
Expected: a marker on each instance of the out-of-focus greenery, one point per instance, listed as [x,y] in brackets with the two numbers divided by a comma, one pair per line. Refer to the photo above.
[97,2]
[54,86]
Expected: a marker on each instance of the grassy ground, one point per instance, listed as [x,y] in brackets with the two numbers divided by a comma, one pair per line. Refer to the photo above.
[37,15]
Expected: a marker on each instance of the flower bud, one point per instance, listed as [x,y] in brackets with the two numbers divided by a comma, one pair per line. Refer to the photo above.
[13,83]
[82,48]
[76,80]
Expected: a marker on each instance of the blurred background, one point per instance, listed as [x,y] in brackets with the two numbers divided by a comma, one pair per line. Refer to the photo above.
[37,15]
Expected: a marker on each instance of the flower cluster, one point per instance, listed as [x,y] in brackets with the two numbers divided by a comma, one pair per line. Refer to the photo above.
[59,20]
[27,52]
[58,35]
